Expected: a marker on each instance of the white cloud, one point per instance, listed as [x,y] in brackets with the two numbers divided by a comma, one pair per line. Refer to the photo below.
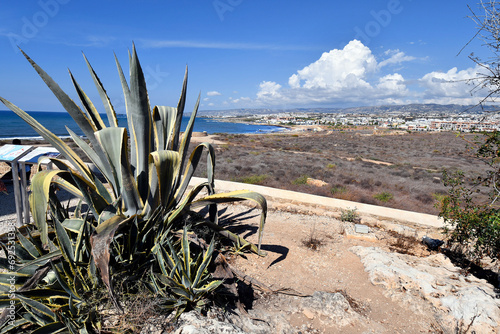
[148,43]
[353,75]
[337,68]
[206,99]
[396,57]
[452,83]
[213,93]
[269,89]
[241,99]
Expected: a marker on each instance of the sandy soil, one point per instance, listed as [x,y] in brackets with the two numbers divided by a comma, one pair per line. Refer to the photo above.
[291,264]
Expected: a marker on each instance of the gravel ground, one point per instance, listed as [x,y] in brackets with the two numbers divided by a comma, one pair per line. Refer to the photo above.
[7,208]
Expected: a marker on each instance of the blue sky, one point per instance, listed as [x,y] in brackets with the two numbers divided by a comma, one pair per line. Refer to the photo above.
[245,54]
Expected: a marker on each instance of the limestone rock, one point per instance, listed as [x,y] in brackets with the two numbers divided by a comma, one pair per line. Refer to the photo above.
[434,285]
[316,183]
[333,306]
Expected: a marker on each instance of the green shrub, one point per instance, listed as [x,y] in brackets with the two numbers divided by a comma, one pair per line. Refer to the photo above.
[338,189]
[301,180]
[470,222]
[254,179]
[349,215]
[384,196]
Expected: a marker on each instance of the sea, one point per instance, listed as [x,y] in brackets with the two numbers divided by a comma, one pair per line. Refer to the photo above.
[12,126]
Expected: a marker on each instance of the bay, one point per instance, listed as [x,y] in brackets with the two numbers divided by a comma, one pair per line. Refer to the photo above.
[12,126]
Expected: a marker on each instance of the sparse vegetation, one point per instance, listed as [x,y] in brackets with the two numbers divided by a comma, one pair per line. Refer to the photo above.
[384,196]
[301,180]
[253,179]
[338,189]
[349,215]
[312,242]
[283,165]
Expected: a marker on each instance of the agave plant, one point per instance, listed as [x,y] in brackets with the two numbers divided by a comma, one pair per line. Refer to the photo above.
[184,280]
[141,202]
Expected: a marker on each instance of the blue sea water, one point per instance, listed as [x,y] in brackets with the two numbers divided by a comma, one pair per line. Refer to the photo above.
[12,126]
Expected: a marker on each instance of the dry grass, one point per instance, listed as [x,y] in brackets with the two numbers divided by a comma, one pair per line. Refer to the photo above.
[413,176]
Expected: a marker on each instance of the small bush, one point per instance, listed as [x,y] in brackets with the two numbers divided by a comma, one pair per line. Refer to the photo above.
[331,166]
[384,196]
[349,215]
[253,179]
[338,189]
[301,180]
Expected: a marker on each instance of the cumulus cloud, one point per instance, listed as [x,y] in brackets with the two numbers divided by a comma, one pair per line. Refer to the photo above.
[347,75]
[353,75]
[213,93]
[452,83]
[337,68]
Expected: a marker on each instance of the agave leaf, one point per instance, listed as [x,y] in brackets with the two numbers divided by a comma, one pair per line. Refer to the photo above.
[37,309]
[206,260]
[114,143]
[174,144]
[163,126]
[99,161]
[191,166]
[39,198]
[186,256]
[185,203]
[175,286]
[110,111]
[186,137]
[180,267]
[169,260]
[42,260]
[15,326]
[66,244]
[75,112]
[28,245]
[239,195]
[88,105]
[83,122]
[63,184]
[100,241]
[52,328]
[126,96]
[7,277]
[163,170]
[141,132]
[208,287]
[44,293]
[55,141]
[98,192]
[70,289]
[74,225]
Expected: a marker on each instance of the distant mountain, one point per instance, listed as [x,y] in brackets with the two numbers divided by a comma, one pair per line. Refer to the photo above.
[410,109]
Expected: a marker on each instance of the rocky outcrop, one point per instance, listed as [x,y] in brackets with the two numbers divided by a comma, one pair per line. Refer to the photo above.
[434,285]
[334,309]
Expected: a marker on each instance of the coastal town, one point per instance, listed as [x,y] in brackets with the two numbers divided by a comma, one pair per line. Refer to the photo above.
[462,122]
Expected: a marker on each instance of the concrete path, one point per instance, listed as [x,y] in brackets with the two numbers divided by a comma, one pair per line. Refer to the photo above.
[327,202]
